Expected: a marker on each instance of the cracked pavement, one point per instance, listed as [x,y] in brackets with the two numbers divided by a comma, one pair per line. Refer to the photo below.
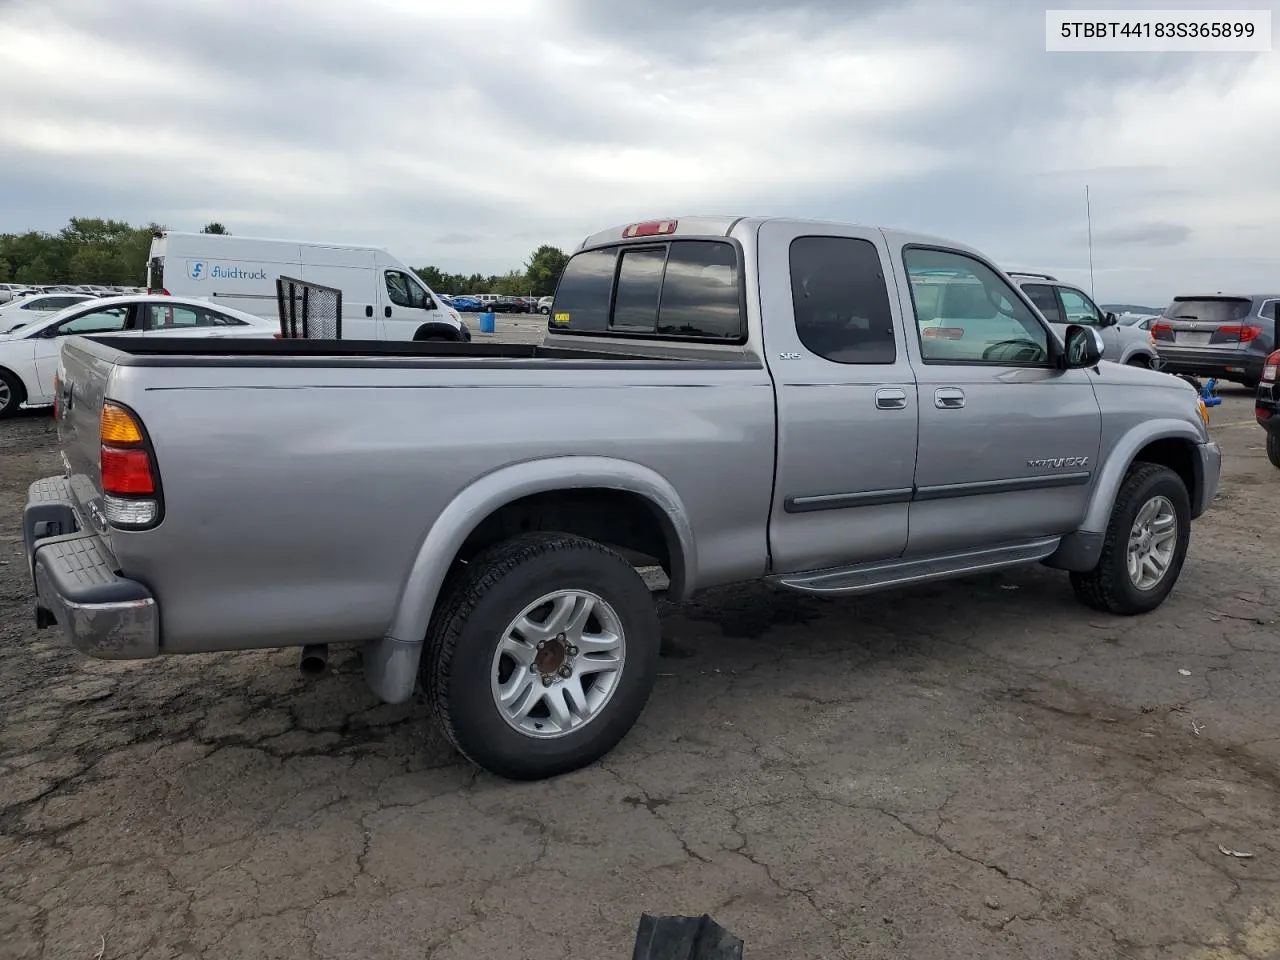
[981,768]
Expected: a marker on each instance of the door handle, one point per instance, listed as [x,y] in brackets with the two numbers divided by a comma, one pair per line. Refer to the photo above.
[948,398]
[368,310]
[891,398]
[386,312]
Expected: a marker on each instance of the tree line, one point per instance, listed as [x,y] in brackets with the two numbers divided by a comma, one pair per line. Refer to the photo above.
[92,250]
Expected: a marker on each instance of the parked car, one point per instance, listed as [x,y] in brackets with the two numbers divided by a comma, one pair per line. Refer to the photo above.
[1226,337]
[465,303]
[509,305]
[10,291]
[1063,304]
[1266,405]
[544,304]
[26,310]
[668,418]
[1139,321]
[29,355]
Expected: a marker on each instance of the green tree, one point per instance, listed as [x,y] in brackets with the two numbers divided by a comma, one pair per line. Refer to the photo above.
[512,284]
[215,227]
[544,269]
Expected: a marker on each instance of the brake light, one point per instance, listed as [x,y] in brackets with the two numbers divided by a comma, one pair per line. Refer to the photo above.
[1162,331]
[942,333]
[1243,333]
[1270,367]
[129,482]
[652,228]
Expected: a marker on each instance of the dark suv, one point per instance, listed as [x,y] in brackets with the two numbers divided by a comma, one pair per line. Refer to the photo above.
[1228,337]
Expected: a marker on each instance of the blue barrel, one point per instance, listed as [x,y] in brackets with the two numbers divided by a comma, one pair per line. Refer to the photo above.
[488,322]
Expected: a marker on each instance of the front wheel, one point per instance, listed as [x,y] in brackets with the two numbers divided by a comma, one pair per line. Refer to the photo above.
[1144,546]
[11,394]
[1140,360]
[1273,448]
[542,655]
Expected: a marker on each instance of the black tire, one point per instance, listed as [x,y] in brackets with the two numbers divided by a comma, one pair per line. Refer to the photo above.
[482,599]
[1108,587]
[1139,361]
[1273,448]
[13,394]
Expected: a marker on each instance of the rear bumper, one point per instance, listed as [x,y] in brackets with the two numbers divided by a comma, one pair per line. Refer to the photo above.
[1210,363]
[100,613]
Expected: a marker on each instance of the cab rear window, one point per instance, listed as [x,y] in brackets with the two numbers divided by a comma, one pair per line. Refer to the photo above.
[681,289]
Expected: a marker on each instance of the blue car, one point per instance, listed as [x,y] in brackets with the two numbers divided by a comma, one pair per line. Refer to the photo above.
[465,304]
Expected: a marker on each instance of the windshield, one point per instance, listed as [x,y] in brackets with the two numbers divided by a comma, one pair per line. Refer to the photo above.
[1209,309]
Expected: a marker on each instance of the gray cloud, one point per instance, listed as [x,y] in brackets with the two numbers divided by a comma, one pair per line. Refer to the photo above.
[464,135]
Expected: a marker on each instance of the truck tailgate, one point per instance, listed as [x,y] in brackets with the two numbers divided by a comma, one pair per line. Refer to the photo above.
[81,387]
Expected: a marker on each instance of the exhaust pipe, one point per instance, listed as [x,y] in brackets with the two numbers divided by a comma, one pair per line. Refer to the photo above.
[314,658]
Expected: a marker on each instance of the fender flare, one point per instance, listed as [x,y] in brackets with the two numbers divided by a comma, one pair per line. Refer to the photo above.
[1121,457]
[438,328]
[26,387]
[391,662]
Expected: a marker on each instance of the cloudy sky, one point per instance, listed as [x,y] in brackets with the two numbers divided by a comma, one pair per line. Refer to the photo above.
[464,133]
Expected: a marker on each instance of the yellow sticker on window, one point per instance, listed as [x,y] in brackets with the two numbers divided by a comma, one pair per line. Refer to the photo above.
[561,319]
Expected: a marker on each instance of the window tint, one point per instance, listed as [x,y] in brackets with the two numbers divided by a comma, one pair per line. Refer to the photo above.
[1045,300]
[111,320]
[582,297]
[164,317]
[1209,309]
[404,291]
[840,300]
[965,313]
[700,291]
[1268,311]
[639,286]
[1078,307]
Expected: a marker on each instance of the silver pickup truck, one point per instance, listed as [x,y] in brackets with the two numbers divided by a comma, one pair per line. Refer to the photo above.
[727,398]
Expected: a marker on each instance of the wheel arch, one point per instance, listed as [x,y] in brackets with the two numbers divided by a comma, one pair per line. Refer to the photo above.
[517,498]
[24,388]
[437,328]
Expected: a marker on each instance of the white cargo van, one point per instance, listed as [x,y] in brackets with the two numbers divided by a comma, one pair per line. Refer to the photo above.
[382,299]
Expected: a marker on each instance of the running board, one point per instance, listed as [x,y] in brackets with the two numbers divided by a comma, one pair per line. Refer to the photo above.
[881,575]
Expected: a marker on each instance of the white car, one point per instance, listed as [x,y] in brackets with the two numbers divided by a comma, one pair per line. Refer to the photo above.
[29,355]
[24,310]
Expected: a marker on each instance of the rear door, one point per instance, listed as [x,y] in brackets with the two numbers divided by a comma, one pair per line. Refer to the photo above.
[1008,442]
[846,397]
[48,342]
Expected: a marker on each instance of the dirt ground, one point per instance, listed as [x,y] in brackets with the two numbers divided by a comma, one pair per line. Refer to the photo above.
[977,769]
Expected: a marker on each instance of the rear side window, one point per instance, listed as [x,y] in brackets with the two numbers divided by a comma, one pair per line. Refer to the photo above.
[1045,300]
[685,289]
[841,301]
[1209,309]
[1268,311]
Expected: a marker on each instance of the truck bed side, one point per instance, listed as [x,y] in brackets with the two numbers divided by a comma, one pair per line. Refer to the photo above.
[298,493]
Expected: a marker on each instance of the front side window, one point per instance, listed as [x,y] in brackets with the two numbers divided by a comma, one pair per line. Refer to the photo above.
[1078,307]
[404,291]
[1268,311]
[840,300]
[1046,301]
[966,313]
[110,320]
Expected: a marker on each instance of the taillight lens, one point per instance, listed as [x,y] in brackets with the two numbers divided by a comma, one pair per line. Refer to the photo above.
[1239,332]
[129,482]
[1162,331]
[1270,366]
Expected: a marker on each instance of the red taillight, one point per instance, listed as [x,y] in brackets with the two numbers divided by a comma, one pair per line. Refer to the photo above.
[1236,331]
[1162,331]
[942,333]
[653,228]
[127,473]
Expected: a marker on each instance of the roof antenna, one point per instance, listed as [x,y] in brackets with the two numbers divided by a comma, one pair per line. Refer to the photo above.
[1088,214]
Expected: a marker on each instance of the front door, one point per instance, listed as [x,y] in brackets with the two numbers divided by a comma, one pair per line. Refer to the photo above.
[1008,442]
[846,397]
[406,306]
[48,343]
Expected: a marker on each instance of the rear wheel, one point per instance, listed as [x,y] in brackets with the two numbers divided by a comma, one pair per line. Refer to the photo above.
[1273,448]
[541,655]
[1144,546]
[12,394]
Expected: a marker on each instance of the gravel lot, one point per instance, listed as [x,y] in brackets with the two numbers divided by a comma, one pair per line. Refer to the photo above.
[977,769]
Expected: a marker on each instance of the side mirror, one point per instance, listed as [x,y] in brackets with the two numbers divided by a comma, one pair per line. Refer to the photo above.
[1110,319]
[1083,347]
